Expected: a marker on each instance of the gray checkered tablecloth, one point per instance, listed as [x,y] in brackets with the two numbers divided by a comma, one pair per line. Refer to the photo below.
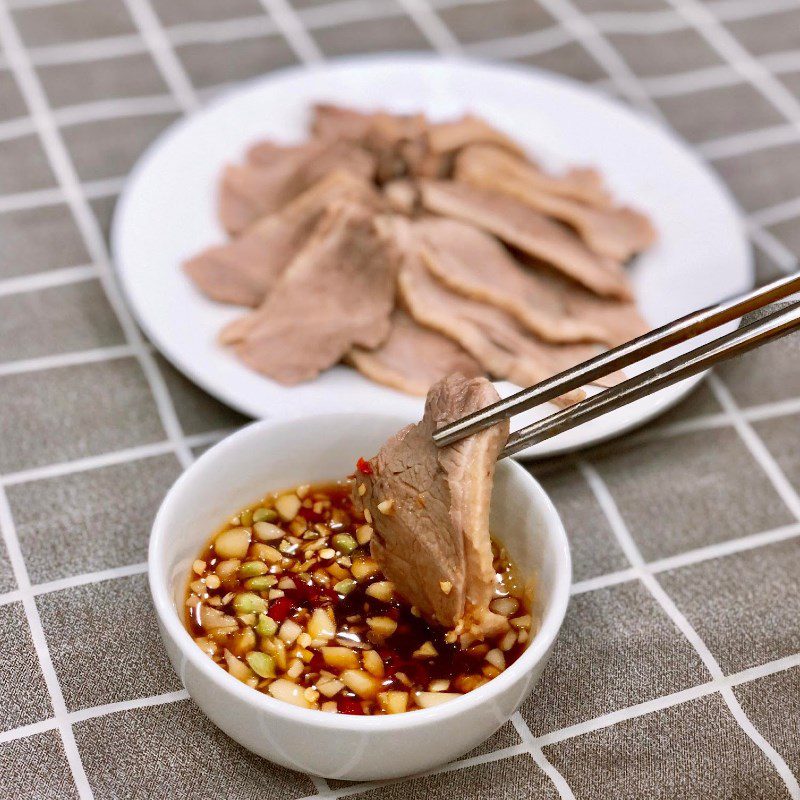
[677,674]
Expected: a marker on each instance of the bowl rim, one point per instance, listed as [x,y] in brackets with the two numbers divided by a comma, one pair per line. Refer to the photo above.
[173,627]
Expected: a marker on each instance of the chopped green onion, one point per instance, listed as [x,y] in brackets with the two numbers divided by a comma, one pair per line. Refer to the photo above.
[344,543]
[345,587]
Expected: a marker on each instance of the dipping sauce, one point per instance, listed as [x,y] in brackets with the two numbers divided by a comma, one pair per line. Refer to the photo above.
[287,599]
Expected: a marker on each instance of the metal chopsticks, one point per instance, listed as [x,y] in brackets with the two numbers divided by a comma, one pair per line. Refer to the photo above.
[739,341]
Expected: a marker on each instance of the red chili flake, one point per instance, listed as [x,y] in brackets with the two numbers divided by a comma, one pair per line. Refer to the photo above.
[364,466]
[279,609]
[348,705]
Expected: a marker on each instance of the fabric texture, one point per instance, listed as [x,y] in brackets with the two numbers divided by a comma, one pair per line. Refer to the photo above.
[678,670]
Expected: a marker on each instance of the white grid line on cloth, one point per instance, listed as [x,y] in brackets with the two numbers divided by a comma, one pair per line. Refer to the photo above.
[331,15]
[117,108]
[61,164]
[227,30]
[780,212]
[162,53]
[535,750]
[47,279]
[87,50]
[20,201]
[89,577]
[28,730]
[431,25]
[93,712]
[9,536]
[757,448]
[109,459]
[16,128]
[785,259]
[105,187]
[657,591]
[22,4]
[97,355]
[532,43]
[291,26]
[749,142]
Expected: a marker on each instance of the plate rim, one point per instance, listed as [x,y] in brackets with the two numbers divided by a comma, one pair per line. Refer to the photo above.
[241,403]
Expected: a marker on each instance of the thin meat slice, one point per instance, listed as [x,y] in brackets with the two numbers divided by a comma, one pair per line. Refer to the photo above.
[497,341]
[473,263]
[533,233]
[338,292]
[450,137]
[617,232]
[393,139]
[408,144]
[244,270]
[269,179]
[430,508]
[402,196]
[619,320]
[412,358]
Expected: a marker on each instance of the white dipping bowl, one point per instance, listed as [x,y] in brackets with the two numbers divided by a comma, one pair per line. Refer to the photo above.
[272,455]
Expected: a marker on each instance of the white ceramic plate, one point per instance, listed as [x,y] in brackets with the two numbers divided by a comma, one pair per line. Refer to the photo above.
[167,213]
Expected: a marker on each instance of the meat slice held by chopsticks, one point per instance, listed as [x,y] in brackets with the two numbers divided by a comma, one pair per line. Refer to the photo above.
[273,176]
[519,225]
[430,509]
[474,264]
[338,292]
[245,269]
[413,357]
[617,232]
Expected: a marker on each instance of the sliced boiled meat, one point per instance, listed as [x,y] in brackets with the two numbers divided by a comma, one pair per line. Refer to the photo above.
[338,292]
[474,264]
[519,225]
[615,232]
[413,357]
[244,270]
[267,182]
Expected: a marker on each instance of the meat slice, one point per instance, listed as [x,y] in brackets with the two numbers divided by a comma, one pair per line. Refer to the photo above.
[619,320]
[616,232]
[338,292]
[502,347]
[472,263]
[273,176]
[450,137]
[392,139]
[430,507]
[244,270]
[402,196]
[519,225]
[413,358]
